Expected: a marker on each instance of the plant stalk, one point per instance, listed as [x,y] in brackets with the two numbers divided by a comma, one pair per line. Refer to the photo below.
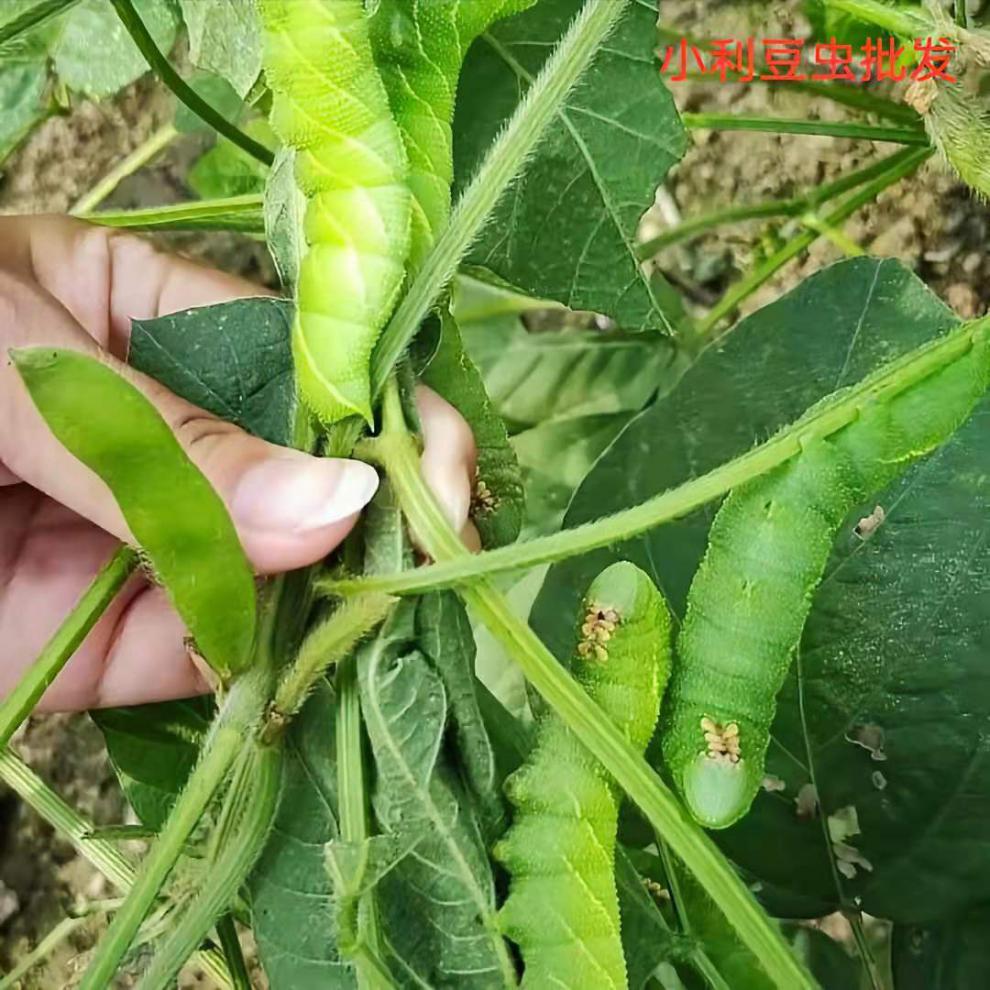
[400,456]
[139,32]
[42,11]
[820,128]
[56,653]
[502,164]
[230,944]
[137,159]
[228,733]
[825,419]
[262,766]
[241,213]
[896,19]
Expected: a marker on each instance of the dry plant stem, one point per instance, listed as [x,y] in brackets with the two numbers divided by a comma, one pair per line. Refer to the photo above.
[825,420]
[19,704]
[138,31]
[137,159]
[237,718]
[501,165]
[398,453]
[103,855]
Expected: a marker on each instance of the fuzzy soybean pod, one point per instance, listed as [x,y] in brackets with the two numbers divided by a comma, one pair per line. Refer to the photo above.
[330,105]
[420,48]
[562,909]
[767,551]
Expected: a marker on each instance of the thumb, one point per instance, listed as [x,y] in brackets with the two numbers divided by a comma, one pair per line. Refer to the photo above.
[290,509]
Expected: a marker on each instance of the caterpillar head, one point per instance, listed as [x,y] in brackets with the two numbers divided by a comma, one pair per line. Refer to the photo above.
[715,783]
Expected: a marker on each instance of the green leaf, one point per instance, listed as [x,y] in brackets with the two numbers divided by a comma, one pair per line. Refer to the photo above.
[96,56]
[953,954]
[233,359]
[153,748]
[178,520]
[285,207]
[22,100]
[444,634]
[225,38]
[497,509]
[292,903]
[228,170]
[893,655]
[566,230]
[446,882]
[216,91]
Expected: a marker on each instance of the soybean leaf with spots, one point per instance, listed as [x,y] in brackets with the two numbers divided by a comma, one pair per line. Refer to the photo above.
[497,508]
[225,38]
[953,954]
[233,360]
[897,638]
[292,897]
[566,229]
[445,882]
[153,748]
[177,518]
[95,54]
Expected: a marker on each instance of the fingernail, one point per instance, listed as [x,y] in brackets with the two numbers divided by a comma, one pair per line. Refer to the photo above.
[293,492]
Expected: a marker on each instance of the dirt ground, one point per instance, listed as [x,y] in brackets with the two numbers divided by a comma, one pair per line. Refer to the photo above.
[931,222]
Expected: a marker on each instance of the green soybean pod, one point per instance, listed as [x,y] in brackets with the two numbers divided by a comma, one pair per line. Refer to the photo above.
[562,909]
[329,104]
[420,48]
[178,520]
[767,551]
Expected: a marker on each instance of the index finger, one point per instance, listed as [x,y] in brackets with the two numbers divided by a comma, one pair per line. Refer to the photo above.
[105,278]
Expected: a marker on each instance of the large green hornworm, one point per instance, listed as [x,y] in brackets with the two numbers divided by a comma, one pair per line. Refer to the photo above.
[767,551]
[330,106]
[420,48]
[562,908]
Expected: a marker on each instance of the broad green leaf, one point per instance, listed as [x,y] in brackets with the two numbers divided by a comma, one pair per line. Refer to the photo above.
[96,56]
[225,38]
[445,883]
[22,100]
[497,507]
[566,230]
[953,954]
[228,170]
[444,634]
[232,359]
[220,95]
[153,748]
[177,518]
[285,207]
[292,898]
[893,657]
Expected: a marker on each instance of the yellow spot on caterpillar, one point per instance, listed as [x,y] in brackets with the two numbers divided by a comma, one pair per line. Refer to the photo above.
[722,741]
[483,500]
[596,630]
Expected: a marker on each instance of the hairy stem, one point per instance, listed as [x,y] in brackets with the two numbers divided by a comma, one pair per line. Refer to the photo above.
[899,166]
[136,28]
[34,16]
[825,419]
[94,602]
[137,159]
[240,213]
[240,711]
[503,162]
[101,854]
[821,128]
[399,454]
[258,802]
[793,207]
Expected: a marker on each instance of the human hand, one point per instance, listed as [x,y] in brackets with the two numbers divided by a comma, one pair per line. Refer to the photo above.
[68,284]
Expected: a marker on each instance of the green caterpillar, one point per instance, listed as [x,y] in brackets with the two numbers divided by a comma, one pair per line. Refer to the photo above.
[420,48]
[331,107]
[562,908]
[767,551]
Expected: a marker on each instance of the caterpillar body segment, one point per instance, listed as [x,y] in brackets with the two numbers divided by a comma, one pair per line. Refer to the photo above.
[562,908]
[751,596]
[329,104]
[420,47]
